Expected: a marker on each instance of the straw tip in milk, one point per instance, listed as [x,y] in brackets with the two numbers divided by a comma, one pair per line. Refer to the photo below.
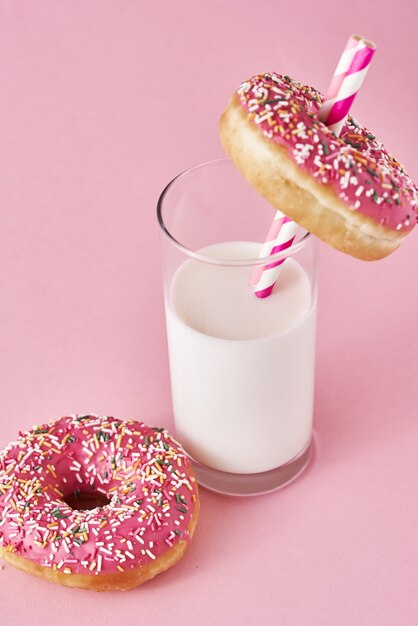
[264,293]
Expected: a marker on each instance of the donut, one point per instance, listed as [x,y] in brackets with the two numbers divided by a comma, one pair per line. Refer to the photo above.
[347,190]
[136,478]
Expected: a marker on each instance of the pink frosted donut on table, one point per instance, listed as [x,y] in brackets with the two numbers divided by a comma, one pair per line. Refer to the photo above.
[147,516]
[348,190]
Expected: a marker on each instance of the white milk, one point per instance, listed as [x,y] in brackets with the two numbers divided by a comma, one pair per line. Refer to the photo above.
[242,368]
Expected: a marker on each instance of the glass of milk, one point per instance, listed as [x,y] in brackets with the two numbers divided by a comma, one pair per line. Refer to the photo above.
[241,367]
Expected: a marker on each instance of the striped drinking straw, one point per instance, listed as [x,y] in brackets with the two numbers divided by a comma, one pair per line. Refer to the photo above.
[347,80]
[280,236]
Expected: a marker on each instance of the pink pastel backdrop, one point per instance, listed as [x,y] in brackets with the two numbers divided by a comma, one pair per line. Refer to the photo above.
[102,102]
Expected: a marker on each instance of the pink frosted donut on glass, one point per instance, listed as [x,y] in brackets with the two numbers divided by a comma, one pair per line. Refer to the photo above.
[348,190]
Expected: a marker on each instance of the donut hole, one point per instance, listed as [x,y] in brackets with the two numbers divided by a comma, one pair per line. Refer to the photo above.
[86,500]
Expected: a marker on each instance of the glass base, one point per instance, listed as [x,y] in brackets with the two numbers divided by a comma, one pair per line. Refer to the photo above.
[252,484]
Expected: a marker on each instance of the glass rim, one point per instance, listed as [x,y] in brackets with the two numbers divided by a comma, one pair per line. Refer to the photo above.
[198,256]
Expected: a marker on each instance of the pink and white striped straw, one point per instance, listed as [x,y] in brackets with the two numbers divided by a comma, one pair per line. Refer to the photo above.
[280,236]
[347,80]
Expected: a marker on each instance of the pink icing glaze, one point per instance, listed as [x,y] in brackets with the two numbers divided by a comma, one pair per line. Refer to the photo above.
[141,470]
[358,167]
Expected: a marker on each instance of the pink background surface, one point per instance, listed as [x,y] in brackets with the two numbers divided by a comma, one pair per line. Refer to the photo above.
[102,104]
